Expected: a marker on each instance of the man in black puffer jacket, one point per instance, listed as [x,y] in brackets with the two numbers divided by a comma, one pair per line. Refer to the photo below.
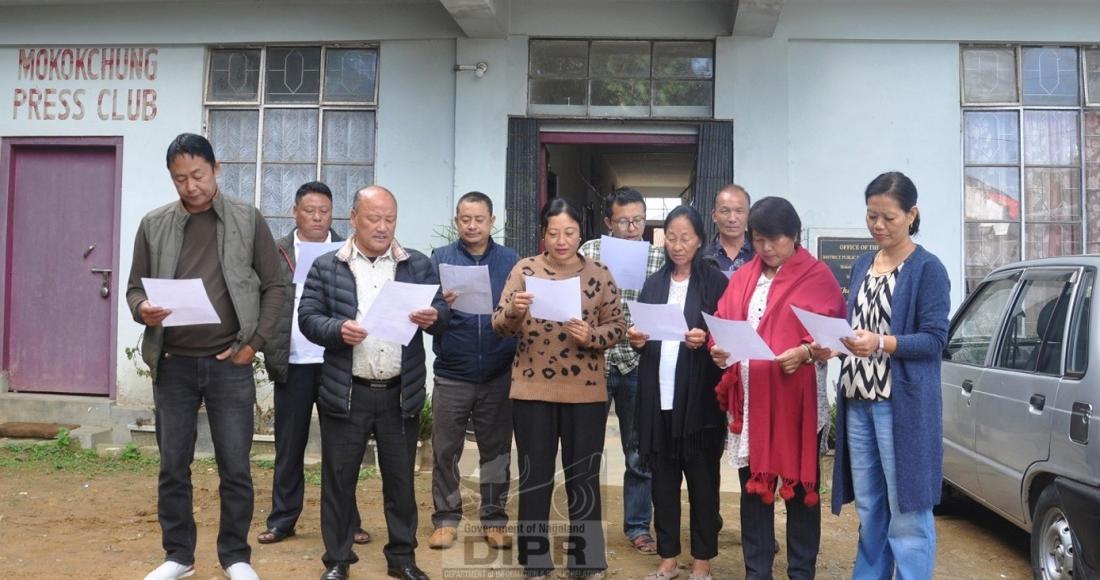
[368,387]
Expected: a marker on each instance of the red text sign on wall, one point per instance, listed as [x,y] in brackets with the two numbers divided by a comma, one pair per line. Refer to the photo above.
[45,98]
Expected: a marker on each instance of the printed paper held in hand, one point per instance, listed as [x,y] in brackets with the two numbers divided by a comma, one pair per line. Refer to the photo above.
[308,252]
[659,321]
[388,317]
[826,330]
[627,260]
[471,283]
[555,300]
[738,338]
[187,299]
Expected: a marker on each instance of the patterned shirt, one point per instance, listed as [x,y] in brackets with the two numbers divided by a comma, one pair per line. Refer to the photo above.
[622,356]
[868,379]
[725,263]
[374,359]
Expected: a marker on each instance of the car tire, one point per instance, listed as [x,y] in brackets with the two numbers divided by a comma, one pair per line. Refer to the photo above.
[1053,543]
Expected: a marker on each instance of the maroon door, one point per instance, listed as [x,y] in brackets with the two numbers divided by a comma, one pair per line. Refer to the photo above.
[62,202]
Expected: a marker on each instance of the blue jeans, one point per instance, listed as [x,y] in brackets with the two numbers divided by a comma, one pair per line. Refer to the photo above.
[229,393]
[622,390]
[889,540]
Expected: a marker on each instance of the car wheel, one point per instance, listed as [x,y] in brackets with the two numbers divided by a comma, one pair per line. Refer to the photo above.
[1053,544]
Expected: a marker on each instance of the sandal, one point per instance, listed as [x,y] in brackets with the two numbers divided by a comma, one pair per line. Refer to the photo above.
[644,543]
[659,575]
[274,535]
[361,537]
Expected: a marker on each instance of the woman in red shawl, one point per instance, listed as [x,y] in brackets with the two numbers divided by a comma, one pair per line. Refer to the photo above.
[777,408]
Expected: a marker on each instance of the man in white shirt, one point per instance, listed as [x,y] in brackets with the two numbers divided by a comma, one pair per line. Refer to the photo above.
[294,364]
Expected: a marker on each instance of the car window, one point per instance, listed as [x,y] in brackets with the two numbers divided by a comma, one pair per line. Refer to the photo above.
[1079,329]
[1032,340]
[973,330]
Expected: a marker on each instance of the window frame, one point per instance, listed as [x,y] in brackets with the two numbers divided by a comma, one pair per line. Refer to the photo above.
[995,338]
[1084,106]
[1071,276]
[321,106]
[588,78]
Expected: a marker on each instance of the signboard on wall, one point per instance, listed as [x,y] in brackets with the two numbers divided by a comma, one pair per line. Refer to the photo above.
[76,83]
[840,253]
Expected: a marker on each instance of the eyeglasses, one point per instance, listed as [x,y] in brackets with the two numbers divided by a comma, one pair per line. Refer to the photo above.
[623,223]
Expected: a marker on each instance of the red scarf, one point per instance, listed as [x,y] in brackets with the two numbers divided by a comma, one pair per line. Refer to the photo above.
[782,408]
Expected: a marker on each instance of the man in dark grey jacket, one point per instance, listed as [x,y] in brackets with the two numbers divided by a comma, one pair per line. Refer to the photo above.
[368,386]
[294,364]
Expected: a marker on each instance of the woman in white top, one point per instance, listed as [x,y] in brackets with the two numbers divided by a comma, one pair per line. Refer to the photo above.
[681,429]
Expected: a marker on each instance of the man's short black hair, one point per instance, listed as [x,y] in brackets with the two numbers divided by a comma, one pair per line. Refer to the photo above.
[190,144]
[475,197]
[621,196]
[312,187]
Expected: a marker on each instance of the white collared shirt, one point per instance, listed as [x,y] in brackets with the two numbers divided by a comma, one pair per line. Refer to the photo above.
[302,351]
[373,359]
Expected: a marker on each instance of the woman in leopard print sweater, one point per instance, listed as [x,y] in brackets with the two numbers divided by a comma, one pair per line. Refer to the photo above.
[559,392]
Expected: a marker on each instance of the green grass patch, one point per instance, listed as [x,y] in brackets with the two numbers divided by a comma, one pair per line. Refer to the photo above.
[61,455]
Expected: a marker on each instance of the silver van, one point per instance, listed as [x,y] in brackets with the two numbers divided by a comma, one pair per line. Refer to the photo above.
[1020,405]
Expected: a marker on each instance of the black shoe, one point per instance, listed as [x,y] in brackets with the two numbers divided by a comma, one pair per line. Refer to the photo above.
[337,572]
[406,572]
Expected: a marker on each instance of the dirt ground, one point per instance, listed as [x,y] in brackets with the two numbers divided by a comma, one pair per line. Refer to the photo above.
[66,525]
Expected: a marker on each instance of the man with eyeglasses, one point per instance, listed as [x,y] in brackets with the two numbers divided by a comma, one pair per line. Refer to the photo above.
[294,365]
[624,215]
[730,247]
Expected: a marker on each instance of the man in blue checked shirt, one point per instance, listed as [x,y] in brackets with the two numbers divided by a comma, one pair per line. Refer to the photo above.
[730,247]
[624,215]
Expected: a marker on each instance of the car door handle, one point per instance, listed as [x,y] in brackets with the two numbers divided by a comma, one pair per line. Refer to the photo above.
[1038,402]
[968,386]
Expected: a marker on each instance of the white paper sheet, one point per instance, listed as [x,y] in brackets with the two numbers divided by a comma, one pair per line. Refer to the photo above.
[826,330]
[388,316]
[475,292]
[659,321]
[555,300]
[187,299]
[308,252]
[738,338]
[627,260]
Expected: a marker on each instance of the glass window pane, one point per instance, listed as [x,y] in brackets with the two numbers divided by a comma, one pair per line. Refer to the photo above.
[350,75]
[1092,75]
[293,74]
[349,136]
[1053,194]
[280,226]
[1050,76]
[344,181]
[683,98]
[234,75]
[683,59]
[1051,138]
[620,98]
[238,180]
[1092,179]
[1049,240]
[973,331]
[1038,317]
[989,75]
[989,245]
[568,58]
[290,135]
[620,59]
[558,92]
[279,184]
[234,134]
[992,137]
[992,193]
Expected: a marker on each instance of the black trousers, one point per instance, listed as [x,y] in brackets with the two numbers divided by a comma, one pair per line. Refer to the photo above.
[377,413]
[294,402]
[704,479]
[580,427]
[758,534]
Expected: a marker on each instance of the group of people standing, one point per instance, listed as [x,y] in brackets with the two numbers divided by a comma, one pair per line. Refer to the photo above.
[681,405]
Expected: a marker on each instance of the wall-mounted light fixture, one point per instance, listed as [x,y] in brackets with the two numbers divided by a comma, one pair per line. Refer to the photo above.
[479,69]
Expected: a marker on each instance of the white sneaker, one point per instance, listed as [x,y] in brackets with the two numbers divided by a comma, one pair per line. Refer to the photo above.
[170,571]
[241,571]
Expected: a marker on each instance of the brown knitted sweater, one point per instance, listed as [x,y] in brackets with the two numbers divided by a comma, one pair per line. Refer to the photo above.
[549,366]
